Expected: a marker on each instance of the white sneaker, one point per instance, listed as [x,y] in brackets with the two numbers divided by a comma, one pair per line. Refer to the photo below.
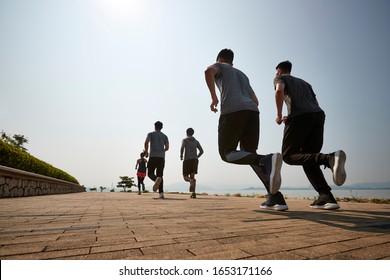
[325,201]
[337,163]
[275,202]
[157,183]
[161,195]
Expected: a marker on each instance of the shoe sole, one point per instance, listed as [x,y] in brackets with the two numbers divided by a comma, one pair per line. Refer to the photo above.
[327,206]
[275,177]
[276,207]
[157,183]
[339,174]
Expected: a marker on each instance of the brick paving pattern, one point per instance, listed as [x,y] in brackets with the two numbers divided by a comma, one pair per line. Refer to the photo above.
[122,226]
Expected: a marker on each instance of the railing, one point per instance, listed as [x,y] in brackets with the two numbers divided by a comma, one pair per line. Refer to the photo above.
[17,183]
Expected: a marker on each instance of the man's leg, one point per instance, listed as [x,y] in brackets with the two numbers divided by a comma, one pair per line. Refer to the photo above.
[186,171]
[303,139]
[313,145]
[151,169]
[268,167]
[302,143]
[243,127]
[230,132]
[160,173]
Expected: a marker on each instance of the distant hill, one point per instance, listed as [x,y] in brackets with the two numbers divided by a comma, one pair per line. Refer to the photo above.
[368,186]
[358,186]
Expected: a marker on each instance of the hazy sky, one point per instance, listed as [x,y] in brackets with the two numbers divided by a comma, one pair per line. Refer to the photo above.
[85,81]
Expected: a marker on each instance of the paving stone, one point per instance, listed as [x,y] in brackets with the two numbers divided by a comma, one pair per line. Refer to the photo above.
[104,226]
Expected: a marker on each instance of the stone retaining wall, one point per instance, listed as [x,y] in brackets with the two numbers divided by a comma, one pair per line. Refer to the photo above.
[16,183]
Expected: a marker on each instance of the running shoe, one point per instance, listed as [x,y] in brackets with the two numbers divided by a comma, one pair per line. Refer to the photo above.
[325,201]
[157,183]
[275,202]
[337,164]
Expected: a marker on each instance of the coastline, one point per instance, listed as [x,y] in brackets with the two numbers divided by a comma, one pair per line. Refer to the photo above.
[381,198]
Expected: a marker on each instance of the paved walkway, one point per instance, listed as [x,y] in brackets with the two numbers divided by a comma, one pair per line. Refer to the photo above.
[98,226]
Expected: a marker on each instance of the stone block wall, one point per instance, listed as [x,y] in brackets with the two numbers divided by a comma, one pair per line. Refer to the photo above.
[17,183]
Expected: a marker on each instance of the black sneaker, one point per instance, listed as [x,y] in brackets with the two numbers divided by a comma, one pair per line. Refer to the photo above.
[272,165]
[325,201]
[275,202]
[336,163]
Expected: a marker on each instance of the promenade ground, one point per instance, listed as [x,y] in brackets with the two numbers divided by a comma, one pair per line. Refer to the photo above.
[122,226]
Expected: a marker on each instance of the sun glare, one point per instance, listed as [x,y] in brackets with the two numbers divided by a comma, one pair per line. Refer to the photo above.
[123,10]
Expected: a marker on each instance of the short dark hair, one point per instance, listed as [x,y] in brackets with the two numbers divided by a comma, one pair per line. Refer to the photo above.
[226,54]
[190,131]
[285,66]
[158,125]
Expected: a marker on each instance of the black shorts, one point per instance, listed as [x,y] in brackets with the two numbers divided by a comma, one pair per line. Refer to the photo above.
[190,166]
[243,128]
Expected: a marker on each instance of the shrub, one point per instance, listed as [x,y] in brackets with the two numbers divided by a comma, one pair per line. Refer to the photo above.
[13,157]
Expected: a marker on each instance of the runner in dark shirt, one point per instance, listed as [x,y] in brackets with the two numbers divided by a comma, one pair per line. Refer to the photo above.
[304,133]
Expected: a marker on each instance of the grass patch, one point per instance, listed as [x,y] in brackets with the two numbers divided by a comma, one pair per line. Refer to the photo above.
[339,199]
[364,200]
[354,198]
[342,199]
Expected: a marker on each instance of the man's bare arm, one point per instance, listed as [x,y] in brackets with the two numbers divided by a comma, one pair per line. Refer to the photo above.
[210,81]
[279,96]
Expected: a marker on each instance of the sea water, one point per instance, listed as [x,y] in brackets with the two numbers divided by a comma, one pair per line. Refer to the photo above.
[310,193]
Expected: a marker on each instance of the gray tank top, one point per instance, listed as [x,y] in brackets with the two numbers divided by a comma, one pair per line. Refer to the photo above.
[236,91]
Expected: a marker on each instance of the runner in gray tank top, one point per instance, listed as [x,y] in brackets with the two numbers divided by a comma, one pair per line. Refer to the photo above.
[159,144]
[189,148]
[239,124]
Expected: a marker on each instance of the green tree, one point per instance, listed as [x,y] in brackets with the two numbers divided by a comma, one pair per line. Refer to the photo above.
[126,182]
[20,140]
[102,188]
[17,140]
